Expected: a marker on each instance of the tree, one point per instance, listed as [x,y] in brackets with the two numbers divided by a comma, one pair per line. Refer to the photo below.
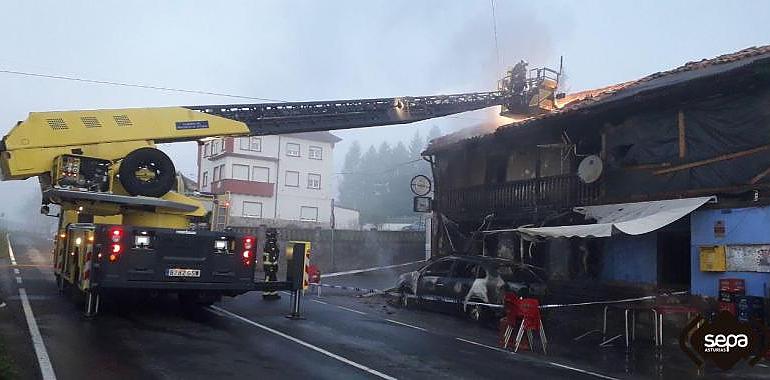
[371,188]
[417,145]
[376,183]
[399,197]
[350,186]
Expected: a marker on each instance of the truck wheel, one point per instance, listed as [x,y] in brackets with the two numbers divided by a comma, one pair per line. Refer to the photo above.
[148,172]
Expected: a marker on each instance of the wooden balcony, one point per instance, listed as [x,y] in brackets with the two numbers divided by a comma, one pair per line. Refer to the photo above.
[557,192]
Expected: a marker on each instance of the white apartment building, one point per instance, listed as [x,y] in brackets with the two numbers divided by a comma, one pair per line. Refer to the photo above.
[272,180]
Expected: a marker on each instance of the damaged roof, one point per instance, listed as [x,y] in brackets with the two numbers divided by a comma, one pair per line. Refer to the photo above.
[585,100]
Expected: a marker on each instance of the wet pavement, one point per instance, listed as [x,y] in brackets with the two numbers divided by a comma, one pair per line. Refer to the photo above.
[342,336]
[642,360]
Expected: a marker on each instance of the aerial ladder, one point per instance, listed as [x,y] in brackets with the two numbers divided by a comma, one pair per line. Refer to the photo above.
[103,170]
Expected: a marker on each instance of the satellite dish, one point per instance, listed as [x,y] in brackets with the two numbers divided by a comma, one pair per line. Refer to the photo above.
[590,169]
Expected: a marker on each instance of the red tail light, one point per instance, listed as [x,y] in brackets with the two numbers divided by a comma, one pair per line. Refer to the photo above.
[248,246]
[248,242]
[115,235]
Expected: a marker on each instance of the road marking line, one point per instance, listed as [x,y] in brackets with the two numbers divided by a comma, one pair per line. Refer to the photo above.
[215,312]
[18,280]
[43,361]
[16,271]
[303,343]
[356,271]
[321,302]
[484,345]
[599,375]
[606,342]
[406,324]
[10,251]
[37,340]
[351,310]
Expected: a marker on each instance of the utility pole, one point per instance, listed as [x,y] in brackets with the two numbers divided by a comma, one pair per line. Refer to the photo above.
[331,250]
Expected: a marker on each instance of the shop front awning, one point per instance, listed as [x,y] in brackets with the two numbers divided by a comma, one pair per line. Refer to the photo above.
[622,218]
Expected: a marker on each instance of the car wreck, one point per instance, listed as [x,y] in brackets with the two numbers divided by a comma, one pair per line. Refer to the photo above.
[474,285]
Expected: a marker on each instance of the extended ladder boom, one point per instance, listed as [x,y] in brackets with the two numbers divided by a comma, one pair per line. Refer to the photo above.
[31,147]
[295,117]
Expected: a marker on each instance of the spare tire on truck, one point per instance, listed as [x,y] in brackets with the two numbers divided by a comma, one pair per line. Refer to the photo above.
[148,172]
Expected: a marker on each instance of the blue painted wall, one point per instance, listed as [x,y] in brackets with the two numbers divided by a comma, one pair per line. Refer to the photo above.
[742,226]
[631,259]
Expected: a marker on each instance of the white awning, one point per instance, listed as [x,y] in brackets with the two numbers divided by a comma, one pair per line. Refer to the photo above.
[623,218]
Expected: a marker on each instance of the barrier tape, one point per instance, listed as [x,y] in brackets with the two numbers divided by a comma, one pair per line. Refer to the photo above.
[357,271]
[497,306]
[610,302]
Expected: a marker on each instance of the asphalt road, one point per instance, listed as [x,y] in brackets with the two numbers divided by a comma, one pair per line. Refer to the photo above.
[245,337]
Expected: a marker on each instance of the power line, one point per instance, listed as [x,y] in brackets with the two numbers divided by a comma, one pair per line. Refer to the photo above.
[494,29]
[135,85]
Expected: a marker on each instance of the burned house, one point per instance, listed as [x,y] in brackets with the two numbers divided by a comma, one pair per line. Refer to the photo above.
[696,137]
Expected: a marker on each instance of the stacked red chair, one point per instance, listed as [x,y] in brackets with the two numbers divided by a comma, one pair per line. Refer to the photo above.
[527,310]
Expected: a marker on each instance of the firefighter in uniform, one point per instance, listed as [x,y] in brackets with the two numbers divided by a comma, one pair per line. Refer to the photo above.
[270,262]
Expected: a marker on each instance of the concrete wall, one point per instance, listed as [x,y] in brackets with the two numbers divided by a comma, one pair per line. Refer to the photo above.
[346,218]
[352,249]
[742,226]
[631,259]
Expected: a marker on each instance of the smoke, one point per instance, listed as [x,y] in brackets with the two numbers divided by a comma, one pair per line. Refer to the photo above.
[20,210]
[290,50]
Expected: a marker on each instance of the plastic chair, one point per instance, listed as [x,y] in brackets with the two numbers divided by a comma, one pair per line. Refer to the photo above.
[528,310]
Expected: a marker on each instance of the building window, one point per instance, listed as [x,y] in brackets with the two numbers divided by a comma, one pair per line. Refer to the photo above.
[216,173]
[221,171]
[205,180]
[252,209]
[214,147]
[315,152]
[313,181]
[241,172]
[292,149]
[308,214]
[207,149]
[292,179]
[253,144]
[260,174]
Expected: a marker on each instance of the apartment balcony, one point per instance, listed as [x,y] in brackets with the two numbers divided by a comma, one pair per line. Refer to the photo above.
[237,186]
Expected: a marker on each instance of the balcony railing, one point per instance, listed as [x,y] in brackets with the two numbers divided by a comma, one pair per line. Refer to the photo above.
[557,191]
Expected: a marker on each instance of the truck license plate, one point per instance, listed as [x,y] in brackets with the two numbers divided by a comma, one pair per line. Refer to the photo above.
[176,272]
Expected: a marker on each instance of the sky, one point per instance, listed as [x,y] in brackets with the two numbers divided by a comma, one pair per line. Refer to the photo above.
[314,50]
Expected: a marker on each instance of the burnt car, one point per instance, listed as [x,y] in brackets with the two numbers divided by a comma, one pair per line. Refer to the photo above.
[469,282]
